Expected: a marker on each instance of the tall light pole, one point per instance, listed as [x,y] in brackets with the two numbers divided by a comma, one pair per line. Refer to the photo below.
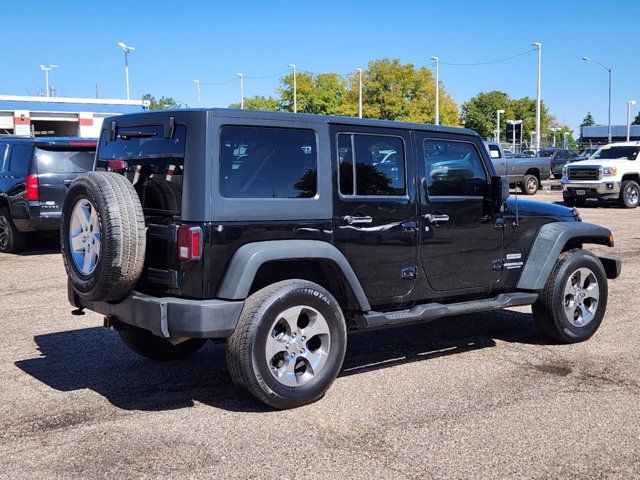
[197,84]
[46,71]
[630,103]
[437,60]
[554,130]
[589,59]
[239,75]
[538,45]
[126,49]
[513,123]
[295,88]
[564,140]
[497,138]
[359,70]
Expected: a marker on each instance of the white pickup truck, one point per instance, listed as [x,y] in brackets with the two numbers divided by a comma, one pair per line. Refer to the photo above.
[611,173]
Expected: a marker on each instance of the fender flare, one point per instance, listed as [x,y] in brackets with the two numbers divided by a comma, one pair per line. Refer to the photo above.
[245,263]
[548,245]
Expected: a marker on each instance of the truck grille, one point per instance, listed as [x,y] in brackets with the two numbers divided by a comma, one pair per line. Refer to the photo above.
[584,173]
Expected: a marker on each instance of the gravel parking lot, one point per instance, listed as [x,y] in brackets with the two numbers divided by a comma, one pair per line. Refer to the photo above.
[479,396]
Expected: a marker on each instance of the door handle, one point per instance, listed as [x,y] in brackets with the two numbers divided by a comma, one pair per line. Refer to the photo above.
[437,218]
[68,182]
[351,220]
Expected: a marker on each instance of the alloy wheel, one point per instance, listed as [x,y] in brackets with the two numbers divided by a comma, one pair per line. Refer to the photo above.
[581,297]
[85,236]
[4,232]
[298,345]
[632,195]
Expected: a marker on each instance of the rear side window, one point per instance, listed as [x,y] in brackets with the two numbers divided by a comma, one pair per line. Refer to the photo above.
[59,161]
[453,169]
[494,151]
[371,165]
[152,163]
[266,162]
[3,154]
[20,160]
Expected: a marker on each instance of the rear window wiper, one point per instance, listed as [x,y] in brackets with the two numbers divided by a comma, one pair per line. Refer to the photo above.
[128,135]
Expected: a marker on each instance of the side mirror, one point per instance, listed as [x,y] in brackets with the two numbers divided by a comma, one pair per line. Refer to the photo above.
[499,190]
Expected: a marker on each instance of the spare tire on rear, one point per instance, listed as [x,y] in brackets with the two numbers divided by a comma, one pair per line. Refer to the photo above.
[103,236]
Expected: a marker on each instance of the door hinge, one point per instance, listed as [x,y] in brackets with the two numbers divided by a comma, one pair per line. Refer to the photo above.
[409,273]
[497,265]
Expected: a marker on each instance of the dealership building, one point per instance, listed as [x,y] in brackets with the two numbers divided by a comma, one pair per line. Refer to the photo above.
[598,134]
[58,116]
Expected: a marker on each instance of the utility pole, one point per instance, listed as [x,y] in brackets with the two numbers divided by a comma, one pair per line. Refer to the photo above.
[437,60]
[538,45]
[239,75]
[46,71]
[497,138]
[359,70]
[197,84]
[126,49]
[630,103]
[295,89]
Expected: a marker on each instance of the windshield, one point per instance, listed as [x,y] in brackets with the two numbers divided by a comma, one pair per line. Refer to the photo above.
[615,153]
[60,161]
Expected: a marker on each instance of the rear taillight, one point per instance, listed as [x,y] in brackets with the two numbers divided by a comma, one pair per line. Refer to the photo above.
[31,188]
[189,243]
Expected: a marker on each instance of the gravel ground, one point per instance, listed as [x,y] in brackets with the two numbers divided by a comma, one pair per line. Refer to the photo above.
[479,396]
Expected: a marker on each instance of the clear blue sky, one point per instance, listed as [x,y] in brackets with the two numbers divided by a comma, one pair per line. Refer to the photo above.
[178,41]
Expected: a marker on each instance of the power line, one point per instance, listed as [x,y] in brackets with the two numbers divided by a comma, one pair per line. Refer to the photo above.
[491,62]
[219,83]
[267,76]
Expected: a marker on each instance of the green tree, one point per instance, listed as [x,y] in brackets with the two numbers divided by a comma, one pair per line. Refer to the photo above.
[479,113]
[587,121]
[162,104]
[259,102]
[525,109]
[320,93]
[636,121]
[395,91]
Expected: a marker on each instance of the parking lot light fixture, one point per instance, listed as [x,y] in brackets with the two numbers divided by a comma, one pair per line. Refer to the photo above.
[437,60]
[359,70]
[126,49]
[295,88]
[513,132]
[46,71]
[538,45]
[239,75]
[498,112]
[608,69]
[630,103]
[197,84]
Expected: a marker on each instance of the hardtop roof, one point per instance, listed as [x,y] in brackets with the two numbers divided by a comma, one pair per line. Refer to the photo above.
[130,119]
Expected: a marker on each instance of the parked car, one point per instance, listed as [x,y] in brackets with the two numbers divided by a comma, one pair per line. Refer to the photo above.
[34,176]
[325,225]
[523,172]
[558,158]
[612,173]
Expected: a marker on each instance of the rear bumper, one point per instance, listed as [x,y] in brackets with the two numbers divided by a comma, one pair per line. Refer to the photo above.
[38,223]
[169,316]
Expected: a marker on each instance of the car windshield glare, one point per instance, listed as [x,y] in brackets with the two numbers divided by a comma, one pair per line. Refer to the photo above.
[614,153]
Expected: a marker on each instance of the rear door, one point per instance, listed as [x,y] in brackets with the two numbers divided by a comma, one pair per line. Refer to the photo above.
[375,217]
[56,167]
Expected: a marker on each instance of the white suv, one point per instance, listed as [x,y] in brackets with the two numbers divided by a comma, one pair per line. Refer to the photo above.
[611,173]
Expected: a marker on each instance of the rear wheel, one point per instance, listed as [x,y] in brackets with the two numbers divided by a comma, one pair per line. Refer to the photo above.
[530,185]
[145,343]
[289,344]
[629,194]
[11,240]
[573,302]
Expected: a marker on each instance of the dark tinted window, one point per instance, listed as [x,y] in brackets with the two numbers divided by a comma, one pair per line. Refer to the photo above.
[20,161]
[59,161]
[152,163]
[379,164]
[453,169]
[262,162]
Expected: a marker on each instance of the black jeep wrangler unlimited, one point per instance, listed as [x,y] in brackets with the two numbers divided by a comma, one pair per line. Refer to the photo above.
[281,232]
[35,173]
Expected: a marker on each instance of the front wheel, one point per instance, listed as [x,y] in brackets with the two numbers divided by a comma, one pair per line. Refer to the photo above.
[629,194]
[530,185]
[574,299]
[289,344]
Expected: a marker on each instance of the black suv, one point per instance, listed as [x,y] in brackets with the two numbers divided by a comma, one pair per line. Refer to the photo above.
[281,232]
[34,176]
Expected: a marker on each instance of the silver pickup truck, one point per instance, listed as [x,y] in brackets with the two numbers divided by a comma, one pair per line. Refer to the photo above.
[523,171]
